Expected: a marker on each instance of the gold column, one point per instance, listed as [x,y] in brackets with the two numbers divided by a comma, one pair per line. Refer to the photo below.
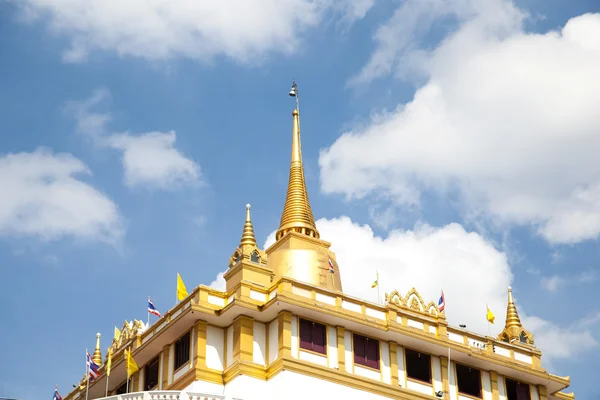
[341,343]
[243,337]
[394,363]
[445,377]
[543,392]
[494,383]
[165,367]
[200,356]
[285,334]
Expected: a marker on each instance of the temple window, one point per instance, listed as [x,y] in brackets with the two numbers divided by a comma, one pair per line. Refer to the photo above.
[312,336]
[151,374]
[523,337]
[254,257]
[366,351]
[418,366]
[516,390]
[182,351]
[469,380]
[123,388]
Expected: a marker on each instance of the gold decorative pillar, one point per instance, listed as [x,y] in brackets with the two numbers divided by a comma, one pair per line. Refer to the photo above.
[341,348]
[542,392]
[394,363]
[165,367]
[243,338]
[200,356]
[445,377]
[494,384]
[285,334]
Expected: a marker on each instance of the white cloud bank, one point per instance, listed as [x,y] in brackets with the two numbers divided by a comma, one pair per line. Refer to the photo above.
[506,118]
[42,196]
[149,159]
[159,29]
[467,267]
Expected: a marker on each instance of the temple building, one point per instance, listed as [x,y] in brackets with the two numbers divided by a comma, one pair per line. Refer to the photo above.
[284,329]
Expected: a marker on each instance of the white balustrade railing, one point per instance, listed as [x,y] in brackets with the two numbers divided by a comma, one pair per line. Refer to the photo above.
[164,395]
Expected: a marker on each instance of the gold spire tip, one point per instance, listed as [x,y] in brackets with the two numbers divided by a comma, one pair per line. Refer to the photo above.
[248,238]
[97,358]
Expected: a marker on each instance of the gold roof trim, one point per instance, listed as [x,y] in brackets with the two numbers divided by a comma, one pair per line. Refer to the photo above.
[513,331]
[297,215]
[129,330]
[413,301]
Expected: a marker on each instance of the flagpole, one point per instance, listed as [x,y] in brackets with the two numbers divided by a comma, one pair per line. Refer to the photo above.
[378,295]
[106,391]
[449,365]
[87,374]
[148,320]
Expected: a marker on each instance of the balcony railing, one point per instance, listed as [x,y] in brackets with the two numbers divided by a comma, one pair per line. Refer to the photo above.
[165,395]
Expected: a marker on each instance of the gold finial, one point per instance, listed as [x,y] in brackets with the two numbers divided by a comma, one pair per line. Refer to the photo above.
[512,317]
[297,215]
[97,353]
[248,238]
[513,329]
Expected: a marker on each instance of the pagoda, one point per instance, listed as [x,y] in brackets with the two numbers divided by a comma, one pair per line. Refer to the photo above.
[283,328]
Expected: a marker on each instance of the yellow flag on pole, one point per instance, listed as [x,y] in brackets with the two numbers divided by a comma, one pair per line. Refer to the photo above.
[374,284]
[109,361]
[131,365]
[490,316]
[181,290]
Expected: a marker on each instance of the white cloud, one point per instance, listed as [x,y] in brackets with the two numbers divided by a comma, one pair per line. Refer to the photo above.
[43,196]
[149,159]
[507,119]
[219,282]
[470,270]
[159,29]
[555,282]
[551,283]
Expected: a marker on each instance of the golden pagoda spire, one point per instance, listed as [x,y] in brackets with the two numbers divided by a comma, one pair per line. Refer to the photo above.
[248,238]
[97,357]
[512,316]
[297,215]
[513,329]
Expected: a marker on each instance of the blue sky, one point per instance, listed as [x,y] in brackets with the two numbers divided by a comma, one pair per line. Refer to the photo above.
[447,143]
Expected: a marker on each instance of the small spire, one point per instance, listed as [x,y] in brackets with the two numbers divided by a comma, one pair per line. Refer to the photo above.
[248,238]
[512,316]
[97,358]
[513,331]
[297,215]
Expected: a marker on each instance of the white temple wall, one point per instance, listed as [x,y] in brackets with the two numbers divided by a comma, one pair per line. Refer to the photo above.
[273,340]
[259,345]
[487,385]
[437,374]
[228,346]
[332,351]
[501,388]
[214,347]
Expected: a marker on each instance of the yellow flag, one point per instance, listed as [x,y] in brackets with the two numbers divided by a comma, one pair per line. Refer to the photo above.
[181,290]
[117,334]
[131,365]
[490,316]
[374,284]
[109,361]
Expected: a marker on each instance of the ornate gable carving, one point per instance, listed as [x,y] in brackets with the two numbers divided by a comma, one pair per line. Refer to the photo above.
[413,301]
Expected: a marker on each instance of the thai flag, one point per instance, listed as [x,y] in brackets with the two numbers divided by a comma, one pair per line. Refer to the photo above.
[56,395]
[152,309]
[442,302]
[331,266]
[92,367]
